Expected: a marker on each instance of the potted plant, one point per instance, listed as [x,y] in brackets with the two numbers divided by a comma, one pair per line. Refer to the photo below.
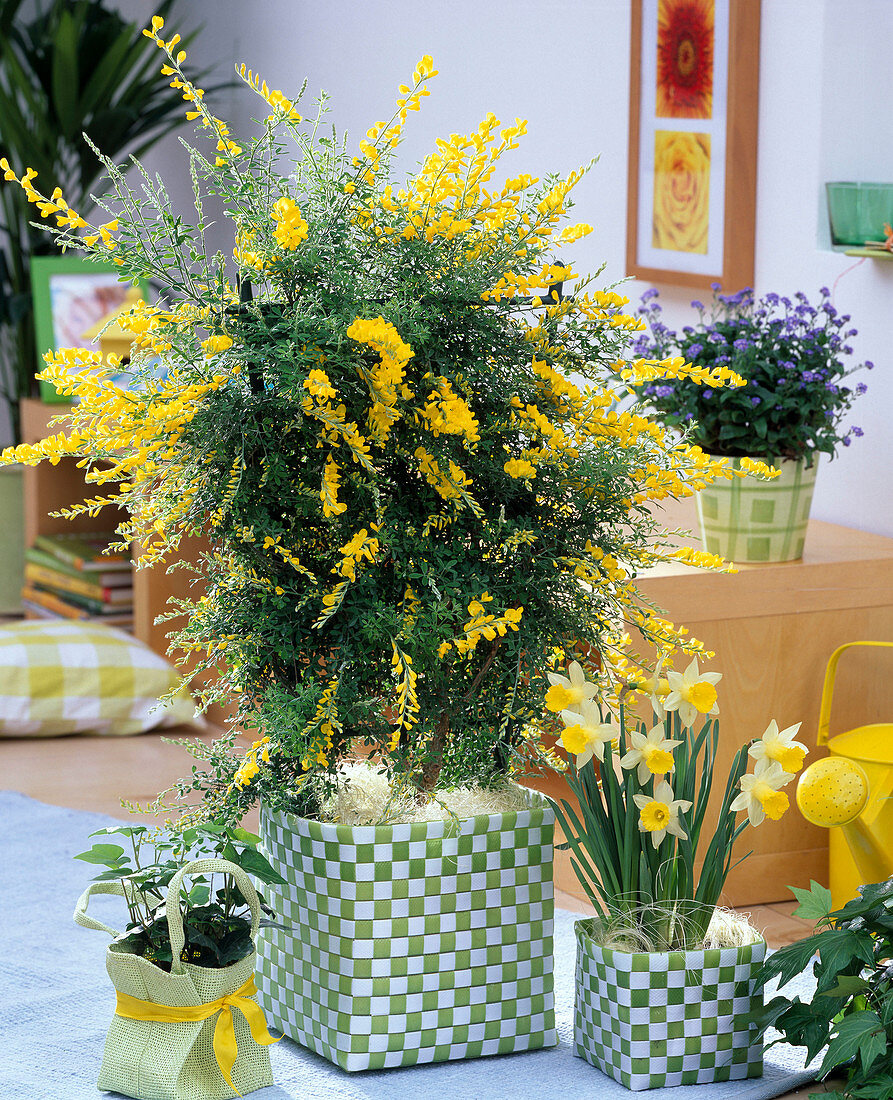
[186,958]
[850,1014]
[666,985]
[65,69]
[411,509]
[792,357]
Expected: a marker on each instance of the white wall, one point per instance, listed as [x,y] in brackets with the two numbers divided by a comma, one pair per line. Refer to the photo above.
[824,114]
[825,90]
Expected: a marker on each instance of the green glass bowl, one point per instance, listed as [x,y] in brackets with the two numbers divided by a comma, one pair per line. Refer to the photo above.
[858,211]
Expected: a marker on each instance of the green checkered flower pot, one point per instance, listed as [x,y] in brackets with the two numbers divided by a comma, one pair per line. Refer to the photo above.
[746,520]
[411,943]
[679,1018]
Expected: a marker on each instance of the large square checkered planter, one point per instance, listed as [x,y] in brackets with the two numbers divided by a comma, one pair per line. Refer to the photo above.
[676,1018]
[746,520]
[411,943]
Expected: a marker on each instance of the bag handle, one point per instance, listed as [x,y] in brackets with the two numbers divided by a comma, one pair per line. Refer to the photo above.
[172,905]
[828,687]
[80,910]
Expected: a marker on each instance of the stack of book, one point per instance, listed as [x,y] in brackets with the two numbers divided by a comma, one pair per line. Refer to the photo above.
[74,576]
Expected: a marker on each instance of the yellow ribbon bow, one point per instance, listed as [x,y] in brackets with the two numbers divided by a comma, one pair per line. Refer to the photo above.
[225,1049]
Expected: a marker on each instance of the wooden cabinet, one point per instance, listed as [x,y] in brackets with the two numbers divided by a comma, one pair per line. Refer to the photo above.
[773,628]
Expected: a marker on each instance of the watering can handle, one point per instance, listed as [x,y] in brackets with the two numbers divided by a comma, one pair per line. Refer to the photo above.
[828,688]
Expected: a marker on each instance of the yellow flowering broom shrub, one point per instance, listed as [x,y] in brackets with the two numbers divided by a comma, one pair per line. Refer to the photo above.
[395,433]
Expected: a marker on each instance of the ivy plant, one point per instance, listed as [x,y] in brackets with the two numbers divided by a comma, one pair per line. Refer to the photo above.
[851,1011]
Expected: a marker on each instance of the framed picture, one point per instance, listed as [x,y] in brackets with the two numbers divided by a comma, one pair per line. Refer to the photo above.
[693,142]
[71,296]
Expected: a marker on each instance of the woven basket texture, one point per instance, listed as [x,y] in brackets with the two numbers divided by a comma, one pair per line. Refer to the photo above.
[665,1019]
[411,943]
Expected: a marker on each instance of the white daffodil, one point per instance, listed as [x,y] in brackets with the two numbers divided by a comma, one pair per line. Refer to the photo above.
[586,734]
[650,752]
[780,746]
[692,693]
[569,692]
[761,795]
[658,687]
[659,815]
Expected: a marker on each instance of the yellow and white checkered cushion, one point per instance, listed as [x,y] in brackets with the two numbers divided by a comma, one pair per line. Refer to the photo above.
[60,678]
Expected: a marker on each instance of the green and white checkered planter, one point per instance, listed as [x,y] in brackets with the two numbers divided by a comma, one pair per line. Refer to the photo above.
[746,520]
[411,943]
[678,1018]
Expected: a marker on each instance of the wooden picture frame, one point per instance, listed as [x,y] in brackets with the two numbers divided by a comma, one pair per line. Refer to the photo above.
[71,294]
[691,197]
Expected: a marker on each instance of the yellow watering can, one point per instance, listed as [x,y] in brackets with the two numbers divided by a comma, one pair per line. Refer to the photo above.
[851,793]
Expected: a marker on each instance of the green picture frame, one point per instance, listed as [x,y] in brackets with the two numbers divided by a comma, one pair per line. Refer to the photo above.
[70,295]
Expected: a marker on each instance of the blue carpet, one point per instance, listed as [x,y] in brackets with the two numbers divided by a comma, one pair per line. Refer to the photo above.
[57,1000]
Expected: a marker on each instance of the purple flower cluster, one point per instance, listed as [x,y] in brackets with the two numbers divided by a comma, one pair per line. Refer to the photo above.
[791,354]
[659,391]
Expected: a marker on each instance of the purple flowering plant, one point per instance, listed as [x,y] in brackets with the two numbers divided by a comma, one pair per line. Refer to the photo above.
[792,355]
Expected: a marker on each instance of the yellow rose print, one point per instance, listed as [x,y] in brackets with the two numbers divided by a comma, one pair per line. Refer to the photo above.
[681,191]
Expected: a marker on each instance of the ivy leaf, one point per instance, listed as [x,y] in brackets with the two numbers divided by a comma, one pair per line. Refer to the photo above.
[860,1033]
[802,1024]
[848,985]
[874,896]
[880,1084]
[815,903]
[840,947]
[789,961]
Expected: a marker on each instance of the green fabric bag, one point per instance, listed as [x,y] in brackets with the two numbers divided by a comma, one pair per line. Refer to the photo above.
[175,1060]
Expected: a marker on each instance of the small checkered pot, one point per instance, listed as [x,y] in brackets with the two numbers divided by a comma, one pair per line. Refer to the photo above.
[673,1018]
[411,943]
[747,520]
